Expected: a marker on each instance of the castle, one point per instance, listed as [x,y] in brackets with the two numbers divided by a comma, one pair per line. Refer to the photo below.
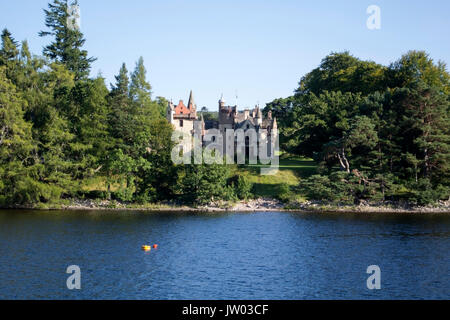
[184,119]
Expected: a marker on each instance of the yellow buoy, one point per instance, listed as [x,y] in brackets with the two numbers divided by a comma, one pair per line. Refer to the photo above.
[146,248]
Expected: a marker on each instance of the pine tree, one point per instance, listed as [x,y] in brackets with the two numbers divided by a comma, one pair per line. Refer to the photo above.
[87,112]
[140,89]
[141,94]
[120,118]
[9,50]
[427,116]
[9,54]
[68,41]
[16,147]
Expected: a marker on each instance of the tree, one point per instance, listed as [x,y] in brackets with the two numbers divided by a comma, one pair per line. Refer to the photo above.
[17,150]
[120,116]
[140,89]
[203,183]
[88,102]
[67,44]
[9,54]
[9,50]
[417,67]
[427,121]
[343,72]
[158,181]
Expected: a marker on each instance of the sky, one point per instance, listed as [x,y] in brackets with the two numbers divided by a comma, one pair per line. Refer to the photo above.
[257,50]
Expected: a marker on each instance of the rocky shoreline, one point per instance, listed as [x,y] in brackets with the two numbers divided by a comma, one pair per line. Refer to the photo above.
[255,205]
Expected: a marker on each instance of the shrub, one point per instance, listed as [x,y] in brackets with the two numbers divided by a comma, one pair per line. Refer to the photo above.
[284,192]
[243,188]
[423,193]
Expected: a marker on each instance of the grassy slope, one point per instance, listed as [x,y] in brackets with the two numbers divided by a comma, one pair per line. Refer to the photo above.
[291,170]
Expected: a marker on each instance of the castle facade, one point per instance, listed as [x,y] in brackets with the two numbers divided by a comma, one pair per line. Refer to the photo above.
[184,119]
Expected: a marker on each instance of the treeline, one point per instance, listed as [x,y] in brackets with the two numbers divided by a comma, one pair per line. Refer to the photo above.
[60,128]
[376,132]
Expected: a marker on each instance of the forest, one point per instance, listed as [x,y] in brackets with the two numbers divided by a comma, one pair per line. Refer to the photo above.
[374,132]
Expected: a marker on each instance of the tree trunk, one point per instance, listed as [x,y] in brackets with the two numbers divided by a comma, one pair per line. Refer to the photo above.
[343,161]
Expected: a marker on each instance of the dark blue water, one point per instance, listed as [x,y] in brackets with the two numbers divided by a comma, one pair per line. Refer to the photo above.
[223,256]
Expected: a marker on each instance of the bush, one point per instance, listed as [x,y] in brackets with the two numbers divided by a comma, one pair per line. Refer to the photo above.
[284,192]
[230,194]
[423,193]
[341,187]
[317,187]
[243,188]
[203,183]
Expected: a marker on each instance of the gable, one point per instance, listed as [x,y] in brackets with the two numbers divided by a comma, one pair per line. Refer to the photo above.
[246,124]
[181,109]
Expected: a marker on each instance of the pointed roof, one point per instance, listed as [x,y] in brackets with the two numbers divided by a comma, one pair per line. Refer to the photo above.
[191,103]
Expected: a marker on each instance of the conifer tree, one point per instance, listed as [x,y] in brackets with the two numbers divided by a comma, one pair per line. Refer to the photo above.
[9,54]
[140,89]
[16,147]
[9,50]
[120,119]
[141,94]
[68,41]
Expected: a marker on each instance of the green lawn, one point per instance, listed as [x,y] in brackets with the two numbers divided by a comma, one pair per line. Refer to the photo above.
[291,170]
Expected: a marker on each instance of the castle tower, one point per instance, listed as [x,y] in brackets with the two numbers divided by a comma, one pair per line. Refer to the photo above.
[221,102]
[192,106]
[170,112]
[258,116]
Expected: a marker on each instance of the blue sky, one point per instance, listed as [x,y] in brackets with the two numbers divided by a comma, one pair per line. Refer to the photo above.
[259,49]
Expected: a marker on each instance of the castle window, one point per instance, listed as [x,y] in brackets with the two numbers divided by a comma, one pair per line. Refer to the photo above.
[181,123]
[214,139]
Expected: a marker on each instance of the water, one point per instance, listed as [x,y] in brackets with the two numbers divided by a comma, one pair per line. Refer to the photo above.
[223,256]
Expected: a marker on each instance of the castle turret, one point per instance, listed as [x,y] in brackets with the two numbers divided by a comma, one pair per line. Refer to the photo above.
[191,105]
[221,102]
[258,116]
[170,112]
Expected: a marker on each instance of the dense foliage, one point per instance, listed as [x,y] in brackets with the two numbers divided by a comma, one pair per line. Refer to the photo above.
[386,129]
[59,129]
[375,132]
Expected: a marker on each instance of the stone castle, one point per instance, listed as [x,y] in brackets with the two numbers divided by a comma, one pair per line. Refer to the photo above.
[184,119]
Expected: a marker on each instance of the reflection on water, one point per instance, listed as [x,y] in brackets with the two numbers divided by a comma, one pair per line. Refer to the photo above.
[223,256]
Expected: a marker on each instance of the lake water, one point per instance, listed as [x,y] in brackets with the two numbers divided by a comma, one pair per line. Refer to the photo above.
[269,255]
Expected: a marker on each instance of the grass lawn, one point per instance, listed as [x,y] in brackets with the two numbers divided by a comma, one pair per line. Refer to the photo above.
[291,170]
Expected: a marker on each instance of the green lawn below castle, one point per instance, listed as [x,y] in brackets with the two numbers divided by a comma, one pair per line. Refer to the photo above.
[291,170]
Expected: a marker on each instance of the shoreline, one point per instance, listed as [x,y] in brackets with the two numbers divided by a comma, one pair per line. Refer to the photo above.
[255,205]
